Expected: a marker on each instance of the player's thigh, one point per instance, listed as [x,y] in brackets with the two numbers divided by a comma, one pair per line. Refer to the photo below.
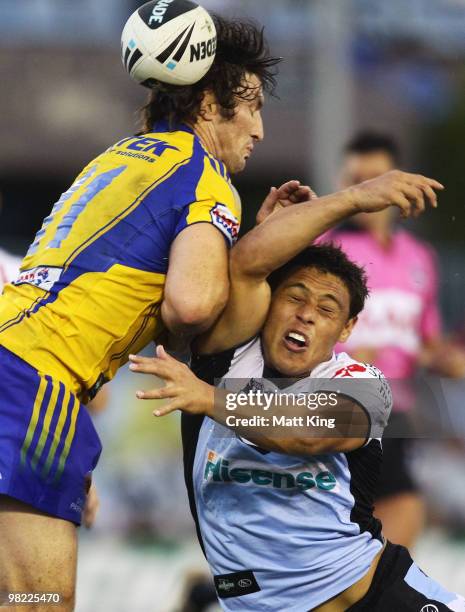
[38,553]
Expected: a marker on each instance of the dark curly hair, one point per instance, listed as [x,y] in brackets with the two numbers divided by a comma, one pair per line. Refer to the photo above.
[241,49]
[331,259]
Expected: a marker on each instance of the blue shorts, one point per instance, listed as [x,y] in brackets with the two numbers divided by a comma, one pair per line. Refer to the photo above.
[48,443]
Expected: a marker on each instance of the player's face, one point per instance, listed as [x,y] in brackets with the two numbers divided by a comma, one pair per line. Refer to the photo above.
[309,314]
[236,137]
[360,167]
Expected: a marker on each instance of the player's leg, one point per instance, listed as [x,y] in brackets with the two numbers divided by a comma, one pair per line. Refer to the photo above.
[48,448]
[37,555]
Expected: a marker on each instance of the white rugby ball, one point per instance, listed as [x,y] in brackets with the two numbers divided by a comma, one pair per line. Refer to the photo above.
[173,41]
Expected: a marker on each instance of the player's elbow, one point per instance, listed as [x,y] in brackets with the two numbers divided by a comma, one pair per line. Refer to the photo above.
[195,314]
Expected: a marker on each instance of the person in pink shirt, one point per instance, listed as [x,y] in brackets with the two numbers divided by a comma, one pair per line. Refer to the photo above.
[399,328]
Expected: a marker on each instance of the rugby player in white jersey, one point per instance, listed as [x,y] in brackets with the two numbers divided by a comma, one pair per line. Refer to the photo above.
[286,521]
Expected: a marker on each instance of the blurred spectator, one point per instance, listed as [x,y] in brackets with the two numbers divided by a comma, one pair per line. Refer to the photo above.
[399,329]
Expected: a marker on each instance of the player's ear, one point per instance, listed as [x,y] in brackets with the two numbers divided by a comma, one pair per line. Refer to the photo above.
[208,106]
[348,327]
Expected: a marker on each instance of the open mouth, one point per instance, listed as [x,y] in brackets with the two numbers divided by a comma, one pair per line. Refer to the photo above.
[295,342]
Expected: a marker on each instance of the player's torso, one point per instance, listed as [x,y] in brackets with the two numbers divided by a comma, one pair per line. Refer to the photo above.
[399,282]
[91,284]
[257,508]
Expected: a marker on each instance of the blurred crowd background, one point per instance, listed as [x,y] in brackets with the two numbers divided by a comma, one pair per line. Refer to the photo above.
[396,66]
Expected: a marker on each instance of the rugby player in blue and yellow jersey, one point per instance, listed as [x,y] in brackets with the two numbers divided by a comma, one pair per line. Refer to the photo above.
[139,241]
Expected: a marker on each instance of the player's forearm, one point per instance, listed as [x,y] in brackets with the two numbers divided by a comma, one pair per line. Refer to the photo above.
[286,233]
[294,430]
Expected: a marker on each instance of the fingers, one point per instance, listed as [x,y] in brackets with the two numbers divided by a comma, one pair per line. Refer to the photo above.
[271,199]
[286,190]
[157,394]
[404,204]
[416,197]
[162,354]
[419,190]
[151,365]
[302,194]
[167,409]
[427,185]
[431,196]
[433,183]
[268,206]
[163,365]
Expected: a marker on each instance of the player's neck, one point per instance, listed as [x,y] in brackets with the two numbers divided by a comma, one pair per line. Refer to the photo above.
[206,134]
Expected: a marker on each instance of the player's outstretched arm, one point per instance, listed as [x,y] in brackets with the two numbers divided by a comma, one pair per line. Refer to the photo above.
[282,235]
[184,391]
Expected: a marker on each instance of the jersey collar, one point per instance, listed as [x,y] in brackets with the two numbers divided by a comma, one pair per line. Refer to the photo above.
[163,125]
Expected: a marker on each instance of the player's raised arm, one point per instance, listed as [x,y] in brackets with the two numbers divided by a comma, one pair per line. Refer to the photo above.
[285,233]
[348,411]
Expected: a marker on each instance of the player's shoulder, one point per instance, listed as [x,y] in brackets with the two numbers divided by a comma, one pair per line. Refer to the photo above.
[345,366]
[152,146]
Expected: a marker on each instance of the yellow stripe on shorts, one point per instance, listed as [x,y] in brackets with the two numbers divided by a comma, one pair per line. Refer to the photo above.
[34,419]
[46,424]
[57,433]
[69,439]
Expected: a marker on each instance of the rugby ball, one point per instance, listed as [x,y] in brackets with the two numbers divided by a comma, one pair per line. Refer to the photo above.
[173,41]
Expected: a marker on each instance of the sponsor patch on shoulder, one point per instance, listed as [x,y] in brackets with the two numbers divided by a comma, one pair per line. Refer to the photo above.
[43,277]
[351,371]
[226,222]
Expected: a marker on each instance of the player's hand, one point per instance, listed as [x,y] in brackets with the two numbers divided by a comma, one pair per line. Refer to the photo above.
[91,507]
[409,192]
[287,195]
[183,390]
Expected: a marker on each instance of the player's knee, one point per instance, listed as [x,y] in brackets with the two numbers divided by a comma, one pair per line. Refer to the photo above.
[67,600]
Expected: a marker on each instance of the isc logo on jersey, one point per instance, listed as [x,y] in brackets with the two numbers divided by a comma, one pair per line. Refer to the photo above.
[173,41]
[225,221]
[219,470]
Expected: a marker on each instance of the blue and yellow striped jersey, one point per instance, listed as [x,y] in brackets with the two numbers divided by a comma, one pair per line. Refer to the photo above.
[91,284]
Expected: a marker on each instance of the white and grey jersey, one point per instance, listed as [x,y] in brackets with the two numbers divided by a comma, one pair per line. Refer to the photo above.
[283,532]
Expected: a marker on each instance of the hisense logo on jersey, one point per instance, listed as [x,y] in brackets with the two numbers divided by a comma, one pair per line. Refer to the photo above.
[219,470]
